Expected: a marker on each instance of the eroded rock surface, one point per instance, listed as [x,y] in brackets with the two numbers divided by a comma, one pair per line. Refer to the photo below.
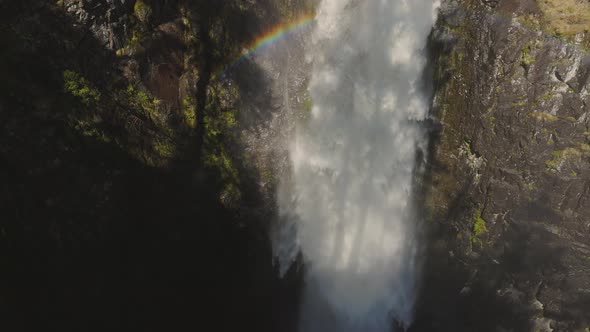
[510,185]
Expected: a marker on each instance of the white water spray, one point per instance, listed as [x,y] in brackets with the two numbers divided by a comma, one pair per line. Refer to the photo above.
[348,204]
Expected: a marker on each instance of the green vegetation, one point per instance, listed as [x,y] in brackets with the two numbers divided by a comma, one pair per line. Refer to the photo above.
[142,11]
[78,86]
[216,157]
[479,225]
[467,145]
[460,56]
[218,125]
[479,228]
[142,102]
[548,96]
[519,103]
[87,124]
[230,195]
[135,39]
[304,113]
[456,58]
[164,148]
[530,21]
[540,116]
[531,186]
[189,111]
[267,176]
[90,130]
[185,16]
[526,58]
[559,157]
[132,44]
[154,130]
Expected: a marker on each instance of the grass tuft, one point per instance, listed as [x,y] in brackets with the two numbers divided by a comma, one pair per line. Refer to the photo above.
[567,18]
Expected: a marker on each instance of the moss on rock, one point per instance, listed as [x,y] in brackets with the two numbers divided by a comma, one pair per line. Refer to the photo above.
[142,11]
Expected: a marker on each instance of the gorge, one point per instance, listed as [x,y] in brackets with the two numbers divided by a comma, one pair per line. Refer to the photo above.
[295,165]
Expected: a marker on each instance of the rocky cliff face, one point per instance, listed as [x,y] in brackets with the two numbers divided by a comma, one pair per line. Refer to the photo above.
[509,193]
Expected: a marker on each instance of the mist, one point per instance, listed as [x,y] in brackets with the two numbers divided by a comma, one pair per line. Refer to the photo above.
[347,204]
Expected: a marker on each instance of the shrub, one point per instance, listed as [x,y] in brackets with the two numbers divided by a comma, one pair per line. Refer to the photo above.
[78,86]
[479,225]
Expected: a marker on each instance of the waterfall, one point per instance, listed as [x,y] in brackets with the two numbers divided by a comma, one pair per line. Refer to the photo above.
[347,207]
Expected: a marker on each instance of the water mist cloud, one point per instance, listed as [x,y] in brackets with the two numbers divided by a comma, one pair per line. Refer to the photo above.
[349,198]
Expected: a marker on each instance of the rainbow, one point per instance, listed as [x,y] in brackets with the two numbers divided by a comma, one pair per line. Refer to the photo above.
[269,37]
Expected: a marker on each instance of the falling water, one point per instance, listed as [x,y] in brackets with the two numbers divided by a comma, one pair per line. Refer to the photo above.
[348,203]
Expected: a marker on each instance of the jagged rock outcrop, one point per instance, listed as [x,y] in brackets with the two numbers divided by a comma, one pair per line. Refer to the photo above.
[109,20]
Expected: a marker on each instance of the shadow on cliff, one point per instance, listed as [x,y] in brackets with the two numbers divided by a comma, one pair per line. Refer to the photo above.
[462,292]
[92,239]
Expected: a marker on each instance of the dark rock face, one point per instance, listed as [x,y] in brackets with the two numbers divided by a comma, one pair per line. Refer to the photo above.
[509,193]
[119,208]
[107,20]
